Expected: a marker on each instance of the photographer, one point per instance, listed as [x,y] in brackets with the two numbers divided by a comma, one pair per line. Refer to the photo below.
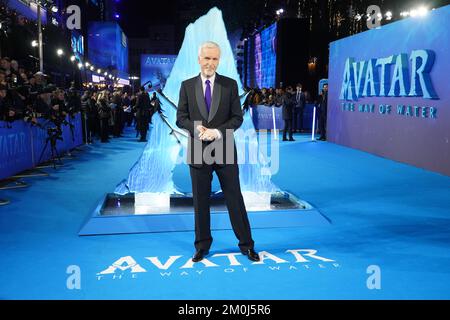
[42,102]
[57,113]
[73,101]
[14,105]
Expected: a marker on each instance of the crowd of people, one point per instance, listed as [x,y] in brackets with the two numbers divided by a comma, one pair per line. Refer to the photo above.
[29,96]
[292,101]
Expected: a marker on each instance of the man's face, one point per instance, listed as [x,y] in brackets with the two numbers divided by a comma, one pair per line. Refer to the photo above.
[325,87]
[209,61]
[2,93]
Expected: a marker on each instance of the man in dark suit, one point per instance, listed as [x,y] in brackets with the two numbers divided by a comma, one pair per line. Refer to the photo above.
[323,103]
[143,107]
[299,109]
[288,105]
[209,108]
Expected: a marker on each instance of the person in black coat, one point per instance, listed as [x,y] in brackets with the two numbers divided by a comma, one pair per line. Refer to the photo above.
[143,109]
[288,106]
[323,105]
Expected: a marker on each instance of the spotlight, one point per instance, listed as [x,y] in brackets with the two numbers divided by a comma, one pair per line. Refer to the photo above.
[80,65]
[72,58]
[358,17]
[413,13]
[87,64]
[92,68]
[99,70]
[59,52]
[422,11]
[379,16]
[388,15]
[34,43]
[117,16]
[54,9]
[106,73]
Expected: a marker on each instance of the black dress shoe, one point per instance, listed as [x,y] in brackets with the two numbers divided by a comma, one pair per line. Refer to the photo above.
[251,254]
[291,139]
[199,255]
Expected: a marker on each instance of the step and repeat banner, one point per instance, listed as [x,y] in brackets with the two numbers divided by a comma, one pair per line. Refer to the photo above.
[23,145]
[389,91]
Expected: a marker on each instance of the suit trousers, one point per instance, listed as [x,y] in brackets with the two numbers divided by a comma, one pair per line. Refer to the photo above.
[287,128]
[298,119]
[201,188]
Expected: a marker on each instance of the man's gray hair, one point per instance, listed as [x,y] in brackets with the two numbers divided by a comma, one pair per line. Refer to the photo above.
[207,44]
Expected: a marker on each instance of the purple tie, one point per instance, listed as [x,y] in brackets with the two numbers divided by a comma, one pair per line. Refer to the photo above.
[208,95]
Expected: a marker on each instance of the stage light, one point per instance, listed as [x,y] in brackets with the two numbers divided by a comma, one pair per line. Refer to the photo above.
[379,16]
[117,16]
[87,64]
[54,9]
[106,73]
[99,70]
[388,15]
[72,58]
[422,11]
[92,68]
[358,17]
[34,43]
[80,65]
[413,13]
[369,17]
[59,52]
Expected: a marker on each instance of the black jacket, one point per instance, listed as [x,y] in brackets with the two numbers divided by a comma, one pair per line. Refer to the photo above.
[288,105]
[225,115]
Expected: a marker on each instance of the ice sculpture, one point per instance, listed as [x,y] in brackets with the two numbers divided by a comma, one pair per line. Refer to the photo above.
[151,177]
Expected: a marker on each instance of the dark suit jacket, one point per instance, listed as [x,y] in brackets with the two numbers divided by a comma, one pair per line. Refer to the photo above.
[288,106]
[300,103]
[225,115]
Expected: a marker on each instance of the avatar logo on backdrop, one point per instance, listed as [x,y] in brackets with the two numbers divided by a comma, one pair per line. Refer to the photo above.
[390,77]
[362,79]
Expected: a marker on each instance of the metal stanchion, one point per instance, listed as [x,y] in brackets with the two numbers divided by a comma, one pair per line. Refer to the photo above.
[274,124]
[313,129]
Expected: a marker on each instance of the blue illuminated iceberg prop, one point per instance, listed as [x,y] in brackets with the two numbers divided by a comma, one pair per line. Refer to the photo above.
[153,172]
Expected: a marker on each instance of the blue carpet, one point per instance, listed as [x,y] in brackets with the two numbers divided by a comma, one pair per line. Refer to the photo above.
[383,213]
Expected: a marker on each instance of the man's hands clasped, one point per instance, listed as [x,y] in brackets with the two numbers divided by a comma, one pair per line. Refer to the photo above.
[206,134]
